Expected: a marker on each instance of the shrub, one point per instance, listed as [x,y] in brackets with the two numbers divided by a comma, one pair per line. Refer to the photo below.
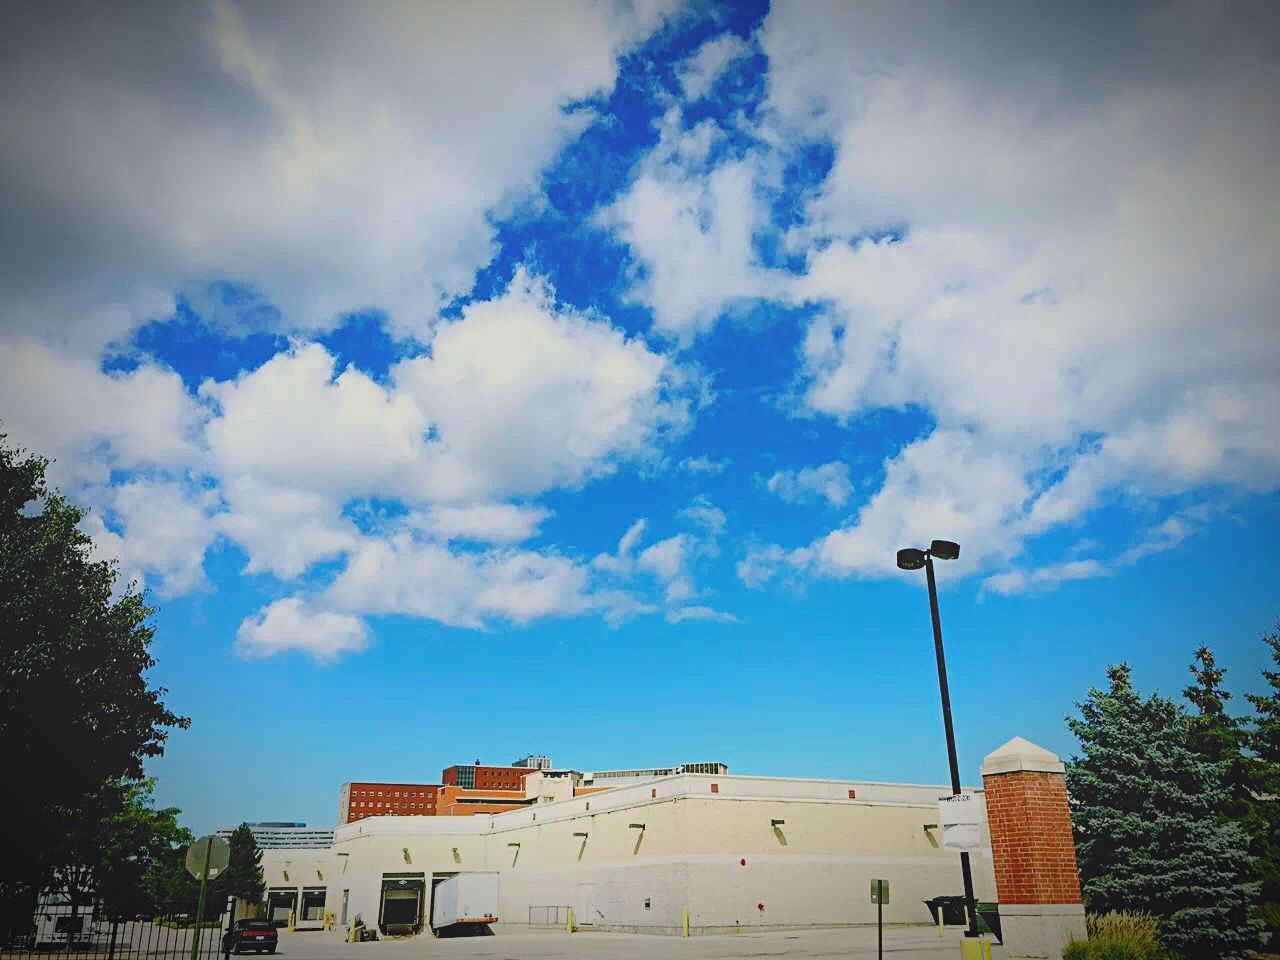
[1118,936]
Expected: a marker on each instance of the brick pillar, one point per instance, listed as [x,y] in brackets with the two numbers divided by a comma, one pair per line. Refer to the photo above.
[1032,850]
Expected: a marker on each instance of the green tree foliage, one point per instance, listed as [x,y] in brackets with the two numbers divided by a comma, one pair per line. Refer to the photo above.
[171,888]
[243,877]
[1150,834]
[1264,741]
[116,846]
[76,709]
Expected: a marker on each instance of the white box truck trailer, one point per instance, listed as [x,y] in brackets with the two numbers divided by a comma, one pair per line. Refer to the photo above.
[465,898]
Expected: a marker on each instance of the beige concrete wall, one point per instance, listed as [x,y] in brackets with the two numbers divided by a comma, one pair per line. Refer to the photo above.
[814,868]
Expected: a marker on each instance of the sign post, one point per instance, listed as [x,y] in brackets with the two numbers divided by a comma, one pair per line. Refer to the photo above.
[880,896]
[206,859]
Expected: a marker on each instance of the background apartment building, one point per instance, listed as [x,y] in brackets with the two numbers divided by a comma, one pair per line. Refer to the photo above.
[279,834]
[360,799]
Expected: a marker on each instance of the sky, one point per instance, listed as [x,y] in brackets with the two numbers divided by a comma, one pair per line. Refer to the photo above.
[467,381]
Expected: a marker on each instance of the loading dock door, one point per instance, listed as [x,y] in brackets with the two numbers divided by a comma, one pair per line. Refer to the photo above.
[401,911]
[280,903]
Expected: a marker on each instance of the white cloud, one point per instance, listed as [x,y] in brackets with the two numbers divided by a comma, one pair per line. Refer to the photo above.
[621,561]
[704,465]
[206,141]
[1015,581]
[1166,535]
[64,407]
[165,532]
[706,614]
[761,563]
[284,530]
[1077,291]
[484,522]
[516,397]
[700,72]
[691,229]
[675,561]
[293,424]
[423,579]
[829,481]
[666,560]
[291,625]
[524,396]
[709,518]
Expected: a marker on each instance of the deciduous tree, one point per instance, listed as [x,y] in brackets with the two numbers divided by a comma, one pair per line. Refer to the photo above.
[76,709]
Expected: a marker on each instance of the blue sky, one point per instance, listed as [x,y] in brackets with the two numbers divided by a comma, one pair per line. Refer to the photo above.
[564,382]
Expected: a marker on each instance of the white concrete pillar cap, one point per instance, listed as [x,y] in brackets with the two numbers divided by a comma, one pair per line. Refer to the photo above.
[1021,754]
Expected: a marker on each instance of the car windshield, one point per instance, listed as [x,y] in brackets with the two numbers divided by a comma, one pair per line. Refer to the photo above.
[256,925]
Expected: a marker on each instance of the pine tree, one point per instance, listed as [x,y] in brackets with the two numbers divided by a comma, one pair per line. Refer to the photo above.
[243,876]
[1150,836]
[1264,741]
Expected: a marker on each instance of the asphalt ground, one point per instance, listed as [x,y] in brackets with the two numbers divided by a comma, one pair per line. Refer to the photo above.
[518,943]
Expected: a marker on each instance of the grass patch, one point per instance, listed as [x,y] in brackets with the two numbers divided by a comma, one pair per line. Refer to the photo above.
[1119,936]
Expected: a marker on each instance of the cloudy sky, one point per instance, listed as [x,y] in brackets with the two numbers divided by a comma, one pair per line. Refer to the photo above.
[464,381]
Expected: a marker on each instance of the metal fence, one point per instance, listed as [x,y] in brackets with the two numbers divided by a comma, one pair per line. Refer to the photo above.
[548,916]
[57,928]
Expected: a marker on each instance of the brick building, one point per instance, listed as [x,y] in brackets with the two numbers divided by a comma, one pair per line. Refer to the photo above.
[477,777]
[360,799]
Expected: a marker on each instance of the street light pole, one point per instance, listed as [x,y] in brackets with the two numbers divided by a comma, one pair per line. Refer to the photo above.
[911,558]
[966,871]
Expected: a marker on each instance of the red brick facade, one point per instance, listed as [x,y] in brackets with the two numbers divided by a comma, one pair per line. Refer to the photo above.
[1031,842]
[364,799]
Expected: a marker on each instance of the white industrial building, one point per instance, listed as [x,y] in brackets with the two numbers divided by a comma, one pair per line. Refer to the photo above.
[732,851]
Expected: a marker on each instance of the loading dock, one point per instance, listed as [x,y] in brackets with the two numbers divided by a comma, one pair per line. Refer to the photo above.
[400,910]
[311,909]
[281,902]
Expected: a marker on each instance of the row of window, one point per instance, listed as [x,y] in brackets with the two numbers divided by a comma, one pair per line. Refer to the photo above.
[390,793]
[391,803]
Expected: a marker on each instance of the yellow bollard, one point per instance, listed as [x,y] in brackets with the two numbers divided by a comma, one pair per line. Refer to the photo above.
[686,921]
[941,929]
[351,931]
[975,948]
[568,924]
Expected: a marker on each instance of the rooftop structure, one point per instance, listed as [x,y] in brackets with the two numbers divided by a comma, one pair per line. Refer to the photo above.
[535,761]
[607,779]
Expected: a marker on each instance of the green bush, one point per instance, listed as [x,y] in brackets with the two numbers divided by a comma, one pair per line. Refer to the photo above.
[1118,936]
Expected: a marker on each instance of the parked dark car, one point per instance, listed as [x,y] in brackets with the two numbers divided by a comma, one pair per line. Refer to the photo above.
[246,935]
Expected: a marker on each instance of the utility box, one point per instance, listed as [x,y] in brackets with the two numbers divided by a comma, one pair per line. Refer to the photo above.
[465,898]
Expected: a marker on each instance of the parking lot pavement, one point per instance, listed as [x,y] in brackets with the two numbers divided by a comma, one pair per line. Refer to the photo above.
[858,943]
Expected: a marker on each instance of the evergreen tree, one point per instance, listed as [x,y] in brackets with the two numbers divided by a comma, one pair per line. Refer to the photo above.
[1264,741]
[1150,836]
[1222,738]
[243,876]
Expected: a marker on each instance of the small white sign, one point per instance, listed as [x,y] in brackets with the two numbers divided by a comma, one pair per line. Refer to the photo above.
[961,819]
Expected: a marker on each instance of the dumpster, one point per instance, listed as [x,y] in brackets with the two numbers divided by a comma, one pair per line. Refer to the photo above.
[952,911]
[989,919]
